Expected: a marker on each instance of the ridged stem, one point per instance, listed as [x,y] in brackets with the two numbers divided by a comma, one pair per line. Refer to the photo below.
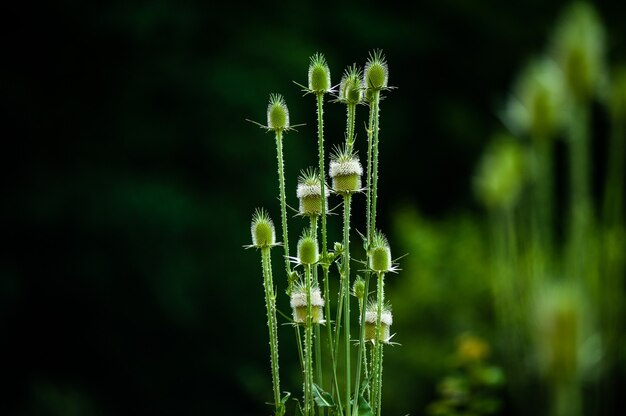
[320,145]
[375,128]
[318,349]
[350,126]
[378,365]
[362,357]
[270,304]
[346,292]
[308,346]
[283,203]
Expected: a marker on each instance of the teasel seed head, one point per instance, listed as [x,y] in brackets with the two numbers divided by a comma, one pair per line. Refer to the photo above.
[309,193]
[308,252]
[345,171]
[358,288]
[319,75]
[350,88]
[386,320]
[277,113]
[376,74]
[263,232]
[380,254]
[299,307]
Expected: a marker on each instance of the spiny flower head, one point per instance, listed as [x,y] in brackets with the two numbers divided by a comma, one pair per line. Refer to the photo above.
[319,75]
[298,303]
[345,170]
[309,193]
[380,254]
[308,253]
[350,90]
[263,233]
[371,318]
[358,288]
[277,113]
[376,74]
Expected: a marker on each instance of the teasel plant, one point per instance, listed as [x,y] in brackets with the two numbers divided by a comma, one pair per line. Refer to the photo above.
[353,387]
[559,300]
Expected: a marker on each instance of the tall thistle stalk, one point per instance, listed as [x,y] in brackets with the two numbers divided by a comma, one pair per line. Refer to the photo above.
[308,255]
[264,238]
[346,171]
[375,80]
[319,84]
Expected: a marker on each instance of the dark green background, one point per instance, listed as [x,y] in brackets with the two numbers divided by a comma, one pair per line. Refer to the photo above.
[131,176]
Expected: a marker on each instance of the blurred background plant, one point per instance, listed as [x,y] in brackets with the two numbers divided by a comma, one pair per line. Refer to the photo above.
[132,176]
[472,389]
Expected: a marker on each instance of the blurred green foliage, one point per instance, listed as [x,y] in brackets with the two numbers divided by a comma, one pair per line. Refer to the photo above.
[132,177]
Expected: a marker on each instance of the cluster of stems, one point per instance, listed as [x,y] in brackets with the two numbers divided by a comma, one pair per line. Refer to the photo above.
[338,377]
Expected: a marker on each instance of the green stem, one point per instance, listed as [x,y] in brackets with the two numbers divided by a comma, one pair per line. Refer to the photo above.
[580,203]
[283,203]
[362,355]
[614,191]
[308,346]
[331,348]
[375,128]
[320,143]
[318,349]
[380,297]
[368,196]
[350,126]
[270,304]
[346,292]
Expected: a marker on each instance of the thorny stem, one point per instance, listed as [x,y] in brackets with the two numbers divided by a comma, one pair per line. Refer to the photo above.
[320,138]
[283,203]
[375,111]
[325,261]
[318,349]
[308,346]
[350,126]
[270,304]
[378,364]
[346,291]
[362,357]
[368,201]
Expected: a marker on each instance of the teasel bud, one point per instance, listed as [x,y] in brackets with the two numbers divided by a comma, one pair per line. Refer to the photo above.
[308,252]
[299,307]
[277,113]
[263,232]
[358,288]
[309,193]
[350,90]
[345,171]
[319,75]
[386,319]
[380,254]
[376,73]
[578,45]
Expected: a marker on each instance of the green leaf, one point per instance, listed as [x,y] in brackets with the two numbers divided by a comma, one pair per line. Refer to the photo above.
[282,409]
[321,397]
[364,407]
